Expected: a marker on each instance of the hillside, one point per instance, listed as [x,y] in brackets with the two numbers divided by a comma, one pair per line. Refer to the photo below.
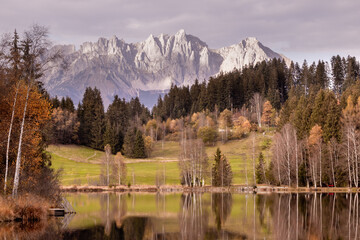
[81,165]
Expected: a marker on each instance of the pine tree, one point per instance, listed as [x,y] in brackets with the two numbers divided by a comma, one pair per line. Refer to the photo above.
[139,146]
[319,112]
[269,173]
[260,170]
[92,119]
[129,140]
[98,122]
[338,74]
[321,78]
[301,117]
[221,171]
[55,103]
[332,126]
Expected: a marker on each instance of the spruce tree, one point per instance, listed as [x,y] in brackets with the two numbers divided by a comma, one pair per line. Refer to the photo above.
[319,112]
[98,122]
[117,120]
[269,173]
[129,140]
[221,171]
[55,103]
[92,119]
[260,170]
[338,73]
[332,126]
[139,146]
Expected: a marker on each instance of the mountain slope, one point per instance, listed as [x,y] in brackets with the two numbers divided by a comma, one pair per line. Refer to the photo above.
[116,67]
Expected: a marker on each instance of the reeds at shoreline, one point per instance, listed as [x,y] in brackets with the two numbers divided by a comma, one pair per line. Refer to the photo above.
[26,208]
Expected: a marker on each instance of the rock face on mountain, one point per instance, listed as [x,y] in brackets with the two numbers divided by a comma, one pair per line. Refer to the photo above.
[116,67]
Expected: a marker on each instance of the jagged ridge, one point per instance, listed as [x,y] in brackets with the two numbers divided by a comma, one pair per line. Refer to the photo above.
[116,67]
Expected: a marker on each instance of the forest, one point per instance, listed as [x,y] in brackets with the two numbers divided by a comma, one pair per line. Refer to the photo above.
[313,110]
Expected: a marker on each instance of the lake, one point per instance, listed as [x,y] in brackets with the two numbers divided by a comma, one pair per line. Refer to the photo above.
[199,216]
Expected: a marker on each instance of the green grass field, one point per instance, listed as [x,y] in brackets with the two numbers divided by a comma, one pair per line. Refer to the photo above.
[81,165]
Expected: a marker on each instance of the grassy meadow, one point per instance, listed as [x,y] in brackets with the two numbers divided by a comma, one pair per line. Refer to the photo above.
[82,165]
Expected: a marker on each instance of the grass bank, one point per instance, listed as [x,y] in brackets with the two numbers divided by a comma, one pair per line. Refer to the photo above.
[81,165]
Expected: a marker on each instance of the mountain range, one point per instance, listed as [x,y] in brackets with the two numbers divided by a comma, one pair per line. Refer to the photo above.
[148,68]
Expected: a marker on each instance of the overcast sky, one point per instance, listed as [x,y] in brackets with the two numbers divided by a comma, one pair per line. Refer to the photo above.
[299,29]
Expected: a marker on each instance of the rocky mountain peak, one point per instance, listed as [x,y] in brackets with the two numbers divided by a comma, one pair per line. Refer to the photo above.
[125,69]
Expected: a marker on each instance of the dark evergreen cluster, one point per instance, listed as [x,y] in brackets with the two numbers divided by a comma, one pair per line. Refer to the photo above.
[272,79]
[134,145]
[97,128]
[65,103]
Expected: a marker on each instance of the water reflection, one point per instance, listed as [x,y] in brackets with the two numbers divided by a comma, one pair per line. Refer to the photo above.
[199,216]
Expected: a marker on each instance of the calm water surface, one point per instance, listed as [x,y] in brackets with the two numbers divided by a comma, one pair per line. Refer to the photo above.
[199,216]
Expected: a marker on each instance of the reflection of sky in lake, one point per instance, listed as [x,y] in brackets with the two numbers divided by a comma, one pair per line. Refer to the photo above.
[202,216]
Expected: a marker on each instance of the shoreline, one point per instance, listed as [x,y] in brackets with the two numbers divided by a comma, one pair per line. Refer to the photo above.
[206,189]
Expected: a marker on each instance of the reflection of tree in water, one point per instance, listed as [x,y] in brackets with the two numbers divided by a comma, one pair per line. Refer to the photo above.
[137,228]
[261,201]
[113,207]
[221,206]
[120,207]
[193,217]
[315,216]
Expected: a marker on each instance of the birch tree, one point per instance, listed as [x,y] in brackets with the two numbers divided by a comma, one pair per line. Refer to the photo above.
[119,168]
[285,150]
[15,65]
[33,63]
[193,161]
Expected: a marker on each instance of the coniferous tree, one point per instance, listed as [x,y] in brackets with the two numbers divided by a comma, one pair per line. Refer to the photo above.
[139,146]
[129,140]
[98,122]
[67,104]
[269,173]
[55,103]
[92,119]
[260,170]
[338,74]
[301,117]
[332,126]
[318,114]
[221,171]
[117,120]
[352,71]
[322,80]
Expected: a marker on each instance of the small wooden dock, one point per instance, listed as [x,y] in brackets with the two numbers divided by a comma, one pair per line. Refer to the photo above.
[57,212]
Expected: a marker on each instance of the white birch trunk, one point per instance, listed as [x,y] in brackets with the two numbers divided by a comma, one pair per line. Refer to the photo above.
[320,152]
[8,140]
[296,160]
[253,157]
[348,155]
[18,158]
[332,165]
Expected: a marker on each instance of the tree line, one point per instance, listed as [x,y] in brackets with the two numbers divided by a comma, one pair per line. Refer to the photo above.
[308,105]
[272,79]
[91,126]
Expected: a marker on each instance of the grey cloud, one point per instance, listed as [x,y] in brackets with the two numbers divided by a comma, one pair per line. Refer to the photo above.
[295,28]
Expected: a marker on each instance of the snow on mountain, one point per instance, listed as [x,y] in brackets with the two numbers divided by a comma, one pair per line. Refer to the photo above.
[116,67]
